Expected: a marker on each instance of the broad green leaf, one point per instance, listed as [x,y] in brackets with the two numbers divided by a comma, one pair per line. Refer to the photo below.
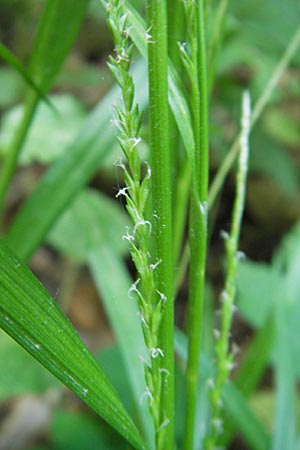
[13,61]
[269,158]
[69,173]
[78,431]
[52,130]
[282,126]
[35,378]
[255,360]
[31,317]
[91,221]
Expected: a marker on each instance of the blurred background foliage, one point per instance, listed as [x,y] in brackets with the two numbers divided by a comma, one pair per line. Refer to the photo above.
[257,33]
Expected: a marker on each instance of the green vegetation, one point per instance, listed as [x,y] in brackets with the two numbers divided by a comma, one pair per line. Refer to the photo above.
[154,168]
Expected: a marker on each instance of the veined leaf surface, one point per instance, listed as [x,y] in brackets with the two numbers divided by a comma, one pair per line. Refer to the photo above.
[31,317]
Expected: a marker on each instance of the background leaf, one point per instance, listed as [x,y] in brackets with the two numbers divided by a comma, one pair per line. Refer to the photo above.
[69,173]
[92,220]
[58,125]
[256,287]
[16,360]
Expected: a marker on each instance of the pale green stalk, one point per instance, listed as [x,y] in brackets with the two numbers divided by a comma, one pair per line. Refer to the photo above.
[257,111]
[225,357]
[194,60]
[162,209]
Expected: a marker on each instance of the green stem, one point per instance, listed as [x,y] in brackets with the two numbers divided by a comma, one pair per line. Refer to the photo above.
[162,201]
[224,357]
[198,216]
[11,159]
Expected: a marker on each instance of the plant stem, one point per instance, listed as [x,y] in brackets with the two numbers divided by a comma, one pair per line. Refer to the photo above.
[198,211]
[225,357]
[162,209]
[11,159]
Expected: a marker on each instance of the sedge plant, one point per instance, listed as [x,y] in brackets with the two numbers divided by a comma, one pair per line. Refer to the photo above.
[164,192]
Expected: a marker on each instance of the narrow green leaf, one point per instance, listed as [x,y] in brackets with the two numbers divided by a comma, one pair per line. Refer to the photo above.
[56,33]
[69,173]
[31,317]
[13,61]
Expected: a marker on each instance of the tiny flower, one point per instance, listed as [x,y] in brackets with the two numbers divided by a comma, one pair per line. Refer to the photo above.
[163,425]
[153,266]
[142,223]
[122,191]
[127,236]
[162,296]
[147,394]
[156,352]
[133,288]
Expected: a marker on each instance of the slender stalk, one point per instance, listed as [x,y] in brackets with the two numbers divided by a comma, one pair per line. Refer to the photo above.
[257,111]
[195,64]
[224,356]
[162,210]
[11,159]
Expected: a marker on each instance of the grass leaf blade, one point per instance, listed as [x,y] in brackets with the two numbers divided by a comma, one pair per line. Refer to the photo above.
[31,317]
